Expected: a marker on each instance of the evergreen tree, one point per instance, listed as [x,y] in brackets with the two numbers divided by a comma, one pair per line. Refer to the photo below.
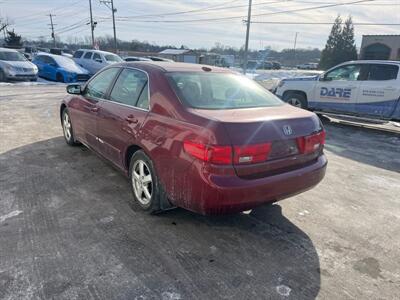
[340,46]
[13,40]
[349,46]
[330,54]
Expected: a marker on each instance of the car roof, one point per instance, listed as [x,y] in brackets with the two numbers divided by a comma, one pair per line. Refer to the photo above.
[8,50]
[173,66]
[372,62]
[50,55]
[96,51]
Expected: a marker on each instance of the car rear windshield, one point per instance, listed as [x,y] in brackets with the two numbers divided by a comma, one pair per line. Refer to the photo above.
[11,56]
[220,91]
[110,57]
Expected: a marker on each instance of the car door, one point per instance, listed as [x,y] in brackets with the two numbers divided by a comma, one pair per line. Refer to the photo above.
[86,62]
[97,62]
[51,68]
[337,90]
[40,64]
[121,117]
[379,92]
[84,112]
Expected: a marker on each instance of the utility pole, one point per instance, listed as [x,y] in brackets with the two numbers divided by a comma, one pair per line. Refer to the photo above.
[294,47]
[52,29]
[246,47]
[114,10]
[91,22]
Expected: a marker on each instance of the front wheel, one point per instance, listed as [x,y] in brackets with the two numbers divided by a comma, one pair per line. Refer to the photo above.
[67,128]
[144,183]
[297,100]
[59,77]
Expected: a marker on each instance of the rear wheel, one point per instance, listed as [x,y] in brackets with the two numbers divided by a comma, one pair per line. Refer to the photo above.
[295,99]
[2,76]
[67,128]
[144,182]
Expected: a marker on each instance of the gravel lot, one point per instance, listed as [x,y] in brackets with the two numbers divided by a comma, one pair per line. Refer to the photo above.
[68,229]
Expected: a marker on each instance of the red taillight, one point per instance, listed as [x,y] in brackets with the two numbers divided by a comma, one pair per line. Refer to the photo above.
[221,155]
[309,144]
[251,153]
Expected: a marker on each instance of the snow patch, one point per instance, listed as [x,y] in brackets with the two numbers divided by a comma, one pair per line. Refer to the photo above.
[283,290]
[170,296]
[10,215]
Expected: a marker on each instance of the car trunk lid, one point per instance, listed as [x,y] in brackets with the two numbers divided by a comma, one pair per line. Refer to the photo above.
[278,130]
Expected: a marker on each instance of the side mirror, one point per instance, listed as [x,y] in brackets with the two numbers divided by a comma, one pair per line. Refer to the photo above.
[74,89]
[324,78]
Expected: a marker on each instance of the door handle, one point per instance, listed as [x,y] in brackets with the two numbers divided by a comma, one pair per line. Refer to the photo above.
[131,119]
[92,108]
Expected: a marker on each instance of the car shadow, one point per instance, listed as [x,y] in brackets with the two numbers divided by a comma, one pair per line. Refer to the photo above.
[77,233]
[368,146]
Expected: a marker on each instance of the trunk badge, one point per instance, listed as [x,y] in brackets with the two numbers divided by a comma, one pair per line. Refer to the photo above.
[287,130]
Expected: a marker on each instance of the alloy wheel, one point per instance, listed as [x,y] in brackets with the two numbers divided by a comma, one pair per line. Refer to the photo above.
[295,102]
[67,127]
[142,182]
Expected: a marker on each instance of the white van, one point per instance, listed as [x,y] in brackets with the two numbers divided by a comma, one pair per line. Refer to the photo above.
[94,60]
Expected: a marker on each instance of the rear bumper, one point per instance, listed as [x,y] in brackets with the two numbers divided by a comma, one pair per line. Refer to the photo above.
[217,194]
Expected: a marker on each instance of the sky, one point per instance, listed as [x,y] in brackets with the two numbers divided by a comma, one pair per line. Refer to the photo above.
[180,22]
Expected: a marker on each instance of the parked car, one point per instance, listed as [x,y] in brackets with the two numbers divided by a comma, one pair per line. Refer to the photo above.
[252,64]
[94,60]
[198,137]
[15,66]
[308,66]
[265,65]
[59,68]
[156,58]
[276,65]
[136,58]
[364,88]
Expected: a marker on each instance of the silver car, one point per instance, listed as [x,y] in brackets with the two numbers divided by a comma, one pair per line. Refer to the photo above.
[14,66]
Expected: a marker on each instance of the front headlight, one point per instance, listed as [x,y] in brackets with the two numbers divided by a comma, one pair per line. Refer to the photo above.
[281,83]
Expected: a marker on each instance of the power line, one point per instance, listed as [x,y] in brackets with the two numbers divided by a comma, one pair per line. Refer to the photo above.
[246,46]
[52,29]
[110,5]
[323,23]
[256,15]
[207,8]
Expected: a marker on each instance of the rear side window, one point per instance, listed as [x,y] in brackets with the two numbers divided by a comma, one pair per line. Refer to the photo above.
[96,56]
[383,72]
[112,58]
[88,55]
[78,54]
[129,86]
[220,91]
[98,86]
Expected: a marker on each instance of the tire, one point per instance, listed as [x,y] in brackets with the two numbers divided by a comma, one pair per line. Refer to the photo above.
[2,76]
[145,186]
[296,99]
[59,77]
[67,130]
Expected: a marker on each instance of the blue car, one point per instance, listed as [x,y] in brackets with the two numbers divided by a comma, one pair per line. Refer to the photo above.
[59,68]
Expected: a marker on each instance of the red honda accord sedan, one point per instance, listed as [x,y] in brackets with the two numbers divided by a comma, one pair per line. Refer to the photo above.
[202,138]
